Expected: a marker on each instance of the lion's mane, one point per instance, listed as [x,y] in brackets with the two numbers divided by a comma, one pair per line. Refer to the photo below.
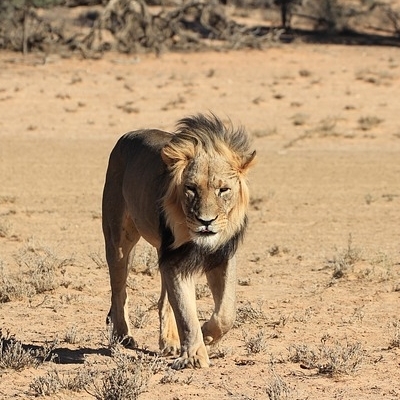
[205,135]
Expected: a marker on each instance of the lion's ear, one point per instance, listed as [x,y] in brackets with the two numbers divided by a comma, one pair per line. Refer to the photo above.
[248,162]
[172,154]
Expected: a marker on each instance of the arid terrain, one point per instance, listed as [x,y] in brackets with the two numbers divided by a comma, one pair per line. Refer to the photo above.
[319,270]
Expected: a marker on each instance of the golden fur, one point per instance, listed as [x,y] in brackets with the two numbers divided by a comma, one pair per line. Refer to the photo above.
[186,194]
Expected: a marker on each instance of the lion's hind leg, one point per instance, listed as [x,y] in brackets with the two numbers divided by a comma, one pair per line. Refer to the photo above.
[222,282]
[120,236]
[169,337]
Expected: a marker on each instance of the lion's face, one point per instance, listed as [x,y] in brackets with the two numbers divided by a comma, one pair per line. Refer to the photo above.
[207,197]
[210,191]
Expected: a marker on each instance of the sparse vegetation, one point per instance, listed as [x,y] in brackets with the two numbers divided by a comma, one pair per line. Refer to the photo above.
[305,199]
[145,261]
[98,259]
[128,378]
[140,316]
[332,360]
[395,339]
[326,126]
[40,271]
[53,381]
[14,355]
[41,268]
[300,119]
[257,343]
[277,388]
[5,228]
[344,261]
[369,122]
[71,336]
[374,76]
[246,313]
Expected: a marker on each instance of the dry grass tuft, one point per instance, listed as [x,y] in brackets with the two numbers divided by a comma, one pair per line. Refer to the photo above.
[71,335]
[53,381]
[395,339]
[255,344]
[129,378]
[145,261]
[14,355]
[246,313]
[369,122]
[40,271]
[5,228]
[140,316]
[337,359]
[277,388]
[344,261]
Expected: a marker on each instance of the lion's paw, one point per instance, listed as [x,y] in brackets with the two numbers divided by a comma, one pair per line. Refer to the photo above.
[169,346]
[170,349]
[190,362]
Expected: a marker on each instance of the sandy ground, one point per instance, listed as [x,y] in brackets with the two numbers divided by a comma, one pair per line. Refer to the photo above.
[325,193]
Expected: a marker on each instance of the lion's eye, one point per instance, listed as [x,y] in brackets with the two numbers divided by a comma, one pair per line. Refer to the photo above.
[223,190]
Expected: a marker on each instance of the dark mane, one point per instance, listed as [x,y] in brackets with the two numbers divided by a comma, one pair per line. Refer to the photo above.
[211,133]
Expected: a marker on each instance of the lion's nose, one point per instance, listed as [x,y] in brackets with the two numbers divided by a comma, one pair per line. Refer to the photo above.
[206,222]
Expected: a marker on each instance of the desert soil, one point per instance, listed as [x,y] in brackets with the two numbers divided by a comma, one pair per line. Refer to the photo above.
[319,270]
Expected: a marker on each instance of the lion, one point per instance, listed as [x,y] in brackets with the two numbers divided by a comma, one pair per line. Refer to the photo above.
[186,194]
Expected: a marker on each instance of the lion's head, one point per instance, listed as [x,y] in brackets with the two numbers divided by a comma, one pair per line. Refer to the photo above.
[207,198]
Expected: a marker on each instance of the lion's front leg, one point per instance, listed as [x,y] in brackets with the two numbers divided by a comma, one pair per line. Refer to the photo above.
[181,295]
[222,282]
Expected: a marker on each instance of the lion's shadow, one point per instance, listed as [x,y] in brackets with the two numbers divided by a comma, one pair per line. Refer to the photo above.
[64,355]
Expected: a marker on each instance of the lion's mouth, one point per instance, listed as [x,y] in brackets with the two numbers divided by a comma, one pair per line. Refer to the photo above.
[205,231]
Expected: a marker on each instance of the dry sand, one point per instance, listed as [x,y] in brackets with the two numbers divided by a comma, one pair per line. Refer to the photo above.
[326,189]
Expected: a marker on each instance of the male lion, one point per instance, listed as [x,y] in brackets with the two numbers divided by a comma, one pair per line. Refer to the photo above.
[186,194]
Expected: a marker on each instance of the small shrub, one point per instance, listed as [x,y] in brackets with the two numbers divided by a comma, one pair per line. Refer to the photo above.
[374,76]
[248,314]
[140,317]
[305,73]
[255,344]
[328,14]
[14,355]
[277,388]
[299,119]
[53,382]
[326,126]
[98,260]
[345,260]
[169,377]
[128,379]
[5,229]
[146,261]
[337,359]
[71,336]
[39,267]
[395,339]
[369,122]
[47,385]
